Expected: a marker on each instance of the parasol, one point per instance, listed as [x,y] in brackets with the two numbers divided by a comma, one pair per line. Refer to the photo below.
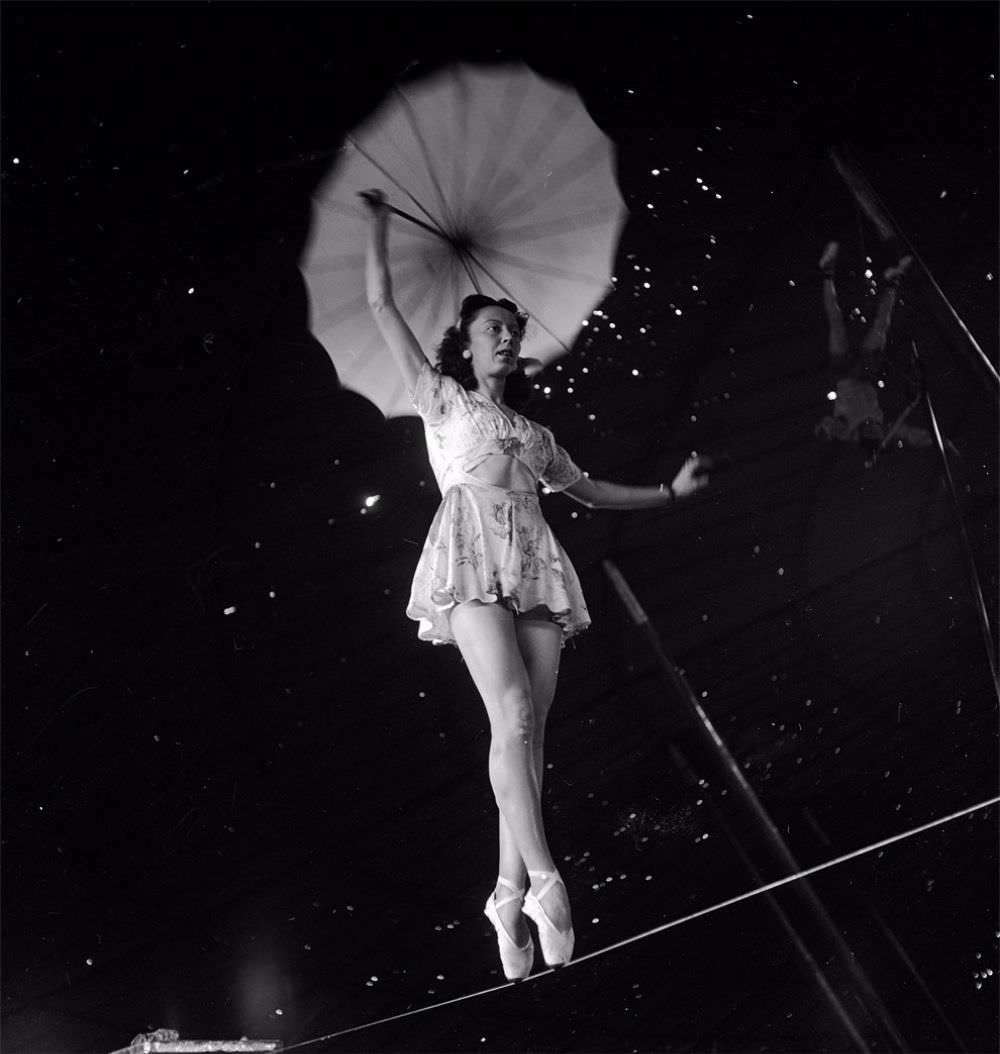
[505,186]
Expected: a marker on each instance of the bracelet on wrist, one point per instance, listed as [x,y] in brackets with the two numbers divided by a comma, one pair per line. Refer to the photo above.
[669,490]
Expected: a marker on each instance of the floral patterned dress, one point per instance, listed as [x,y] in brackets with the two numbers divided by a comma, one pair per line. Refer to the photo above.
[487,543]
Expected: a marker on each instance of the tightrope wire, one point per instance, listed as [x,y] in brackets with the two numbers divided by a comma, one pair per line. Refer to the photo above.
[663,927]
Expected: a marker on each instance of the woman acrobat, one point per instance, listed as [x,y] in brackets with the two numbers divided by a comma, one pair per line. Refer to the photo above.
[857,416]
[492,579]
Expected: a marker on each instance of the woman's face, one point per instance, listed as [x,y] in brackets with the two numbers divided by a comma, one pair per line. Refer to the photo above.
[495,342]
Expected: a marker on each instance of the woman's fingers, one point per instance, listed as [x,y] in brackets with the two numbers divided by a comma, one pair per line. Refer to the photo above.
[531,366]
[697,468]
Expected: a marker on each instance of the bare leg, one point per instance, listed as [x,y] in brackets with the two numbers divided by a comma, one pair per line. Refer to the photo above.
[875,340]
[488,641]
[540,644]
[837,338]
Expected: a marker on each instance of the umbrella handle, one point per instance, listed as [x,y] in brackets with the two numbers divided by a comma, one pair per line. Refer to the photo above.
[457,246]
[406,216]
[419,223]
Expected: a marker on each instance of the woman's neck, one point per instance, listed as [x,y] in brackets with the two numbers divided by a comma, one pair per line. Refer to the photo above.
[492,387]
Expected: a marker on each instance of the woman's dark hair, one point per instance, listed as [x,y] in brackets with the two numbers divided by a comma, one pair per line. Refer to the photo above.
[518,390]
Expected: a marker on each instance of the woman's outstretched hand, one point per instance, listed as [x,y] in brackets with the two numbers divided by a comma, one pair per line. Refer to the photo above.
[531,367]
[692,477]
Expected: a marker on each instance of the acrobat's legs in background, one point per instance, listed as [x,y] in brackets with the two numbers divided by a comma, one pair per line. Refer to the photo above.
[837,337]
[900,432]
[842,424]
[873,346]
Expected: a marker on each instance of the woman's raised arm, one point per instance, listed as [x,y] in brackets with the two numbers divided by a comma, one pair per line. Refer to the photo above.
[402,343]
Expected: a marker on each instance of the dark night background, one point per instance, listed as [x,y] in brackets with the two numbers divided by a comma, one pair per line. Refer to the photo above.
[277,823]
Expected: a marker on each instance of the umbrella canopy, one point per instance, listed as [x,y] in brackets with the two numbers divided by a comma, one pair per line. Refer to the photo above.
[506,186]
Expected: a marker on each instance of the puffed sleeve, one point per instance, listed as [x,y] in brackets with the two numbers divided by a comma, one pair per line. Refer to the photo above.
[560,472]
[434,393]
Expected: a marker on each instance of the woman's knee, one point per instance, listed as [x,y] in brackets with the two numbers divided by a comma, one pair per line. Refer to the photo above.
[512,718]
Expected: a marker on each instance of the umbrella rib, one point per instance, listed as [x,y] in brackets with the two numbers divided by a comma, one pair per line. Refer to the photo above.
[359,302]
[353,262]
[508,109]
[422,144]
[437,309]
[325,265]
[560,178]
[467,260]
[361,359]
[463,107]
[544,229]
[546,269]
[550,126]
[349,308]
[399,186]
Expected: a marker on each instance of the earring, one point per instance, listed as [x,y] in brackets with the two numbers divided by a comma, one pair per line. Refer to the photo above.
[466,354]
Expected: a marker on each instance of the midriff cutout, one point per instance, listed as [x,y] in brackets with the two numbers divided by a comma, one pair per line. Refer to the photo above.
[501,470]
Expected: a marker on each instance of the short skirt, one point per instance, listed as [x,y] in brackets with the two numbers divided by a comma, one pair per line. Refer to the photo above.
[493,545]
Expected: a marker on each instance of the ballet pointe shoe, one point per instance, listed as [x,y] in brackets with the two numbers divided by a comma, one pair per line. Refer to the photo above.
[557,945]
[516,962]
